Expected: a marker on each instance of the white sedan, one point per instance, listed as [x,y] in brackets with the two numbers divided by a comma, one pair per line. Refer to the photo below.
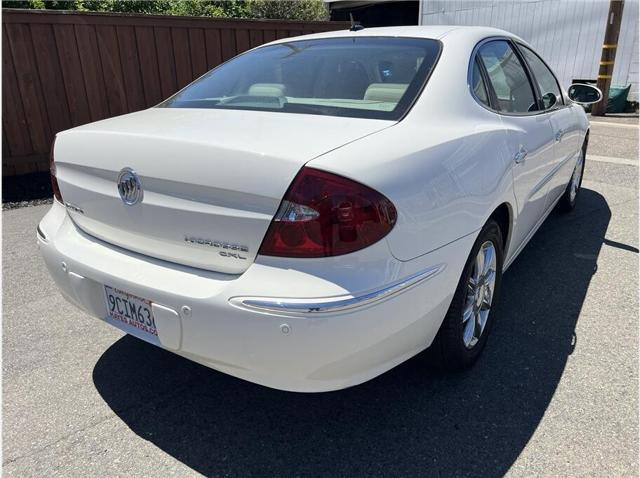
[319,209]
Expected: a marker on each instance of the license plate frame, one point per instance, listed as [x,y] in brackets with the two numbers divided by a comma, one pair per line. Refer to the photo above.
[131,311]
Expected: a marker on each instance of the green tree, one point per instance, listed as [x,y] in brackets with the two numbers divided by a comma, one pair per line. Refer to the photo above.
[124,6]
[303,10]
[41,4]
[200,8]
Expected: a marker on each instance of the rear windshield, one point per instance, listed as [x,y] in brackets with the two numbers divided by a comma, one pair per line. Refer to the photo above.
[364,77]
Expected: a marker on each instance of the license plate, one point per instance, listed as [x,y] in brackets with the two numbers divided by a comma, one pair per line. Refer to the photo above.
[130,309]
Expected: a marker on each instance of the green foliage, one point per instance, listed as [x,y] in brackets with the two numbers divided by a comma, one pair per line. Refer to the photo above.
[123,6]
[203,8]
[26,4]
[304,10]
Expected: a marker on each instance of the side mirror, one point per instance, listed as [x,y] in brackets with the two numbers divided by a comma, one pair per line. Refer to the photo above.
[549,100]
[584,94]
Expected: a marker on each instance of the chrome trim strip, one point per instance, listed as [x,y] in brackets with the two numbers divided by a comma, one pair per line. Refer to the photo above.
[40,233]
[333,304]
[551,174]
[529,236]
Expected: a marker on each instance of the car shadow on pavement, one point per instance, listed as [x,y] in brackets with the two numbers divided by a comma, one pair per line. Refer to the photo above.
[410,420]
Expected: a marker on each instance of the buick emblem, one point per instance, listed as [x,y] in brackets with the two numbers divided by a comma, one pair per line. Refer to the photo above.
[129,187]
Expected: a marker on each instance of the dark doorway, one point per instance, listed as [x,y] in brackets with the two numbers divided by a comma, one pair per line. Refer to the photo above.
[377,14]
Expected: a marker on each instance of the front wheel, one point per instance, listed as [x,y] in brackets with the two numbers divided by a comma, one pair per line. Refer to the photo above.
[570,196]
[464,331]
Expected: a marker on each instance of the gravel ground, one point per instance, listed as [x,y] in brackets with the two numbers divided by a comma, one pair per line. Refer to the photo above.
[554,394]
[32,202]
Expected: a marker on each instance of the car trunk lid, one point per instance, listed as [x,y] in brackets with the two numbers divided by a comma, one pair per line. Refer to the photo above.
[212,180]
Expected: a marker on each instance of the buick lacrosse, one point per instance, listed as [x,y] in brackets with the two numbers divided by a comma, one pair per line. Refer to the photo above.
[319,209]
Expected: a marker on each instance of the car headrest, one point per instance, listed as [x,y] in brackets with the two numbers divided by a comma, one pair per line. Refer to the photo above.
[267,89]
[387,92]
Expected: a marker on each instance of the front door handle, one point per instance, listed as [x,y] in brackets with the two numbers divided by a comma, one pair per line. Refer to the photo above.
[559,134]
[521,155]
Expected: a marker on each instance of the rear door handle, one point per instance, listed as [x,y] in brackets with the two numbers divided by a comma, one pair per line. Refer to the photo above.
[559,134]
[521,155]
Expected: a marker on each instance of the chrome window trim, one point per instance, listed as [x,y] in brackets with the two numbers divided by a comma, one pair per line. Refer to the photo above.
[513,42]
[484,83]
[333,304]
[520,44]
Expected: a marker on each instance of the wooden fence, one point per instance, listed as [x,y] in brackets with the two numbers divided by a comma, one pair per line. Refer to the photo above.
[63,69]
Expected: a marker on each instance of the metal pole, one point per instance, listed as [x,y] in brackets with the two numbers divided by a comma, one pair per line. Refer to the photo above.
[608,57]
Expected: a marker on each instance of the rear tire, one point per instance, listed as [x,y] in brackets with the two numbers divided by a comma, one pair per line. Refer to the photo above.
[567,202]
[464,331]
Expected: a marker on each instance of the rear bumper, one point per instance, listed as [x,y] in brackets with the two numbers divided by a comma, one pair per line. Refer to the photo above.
[205,316]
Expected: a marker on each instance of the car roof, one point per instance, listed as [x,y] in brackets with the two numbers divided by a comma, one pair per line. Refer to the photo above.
[436,32]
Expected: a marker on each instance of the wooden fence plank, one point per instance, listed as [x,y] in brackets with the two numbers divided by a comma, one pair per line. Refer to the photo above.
[14,122]
[198,52]
[214,53]
[92,71]
[72,73]
[149,65]
[130,67]
[256,38]
[5,144]
[166,62]
[62,69]
[26,72]
[182,56]
[242,40]
[269,35]
[112,69]
[55,96]
[228,42]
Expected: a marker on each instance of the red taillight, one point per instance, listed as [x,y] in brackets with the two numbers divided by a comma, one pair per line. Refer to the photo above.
[54,179]
[323,214]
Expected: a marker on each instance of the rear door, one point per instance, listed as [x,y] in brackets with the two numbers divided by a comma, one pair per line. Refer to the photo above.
[566,133]
[529,131]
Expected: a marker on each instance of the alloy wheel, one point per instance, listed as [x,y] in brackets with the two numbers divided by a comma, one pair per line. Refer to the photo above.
[575,179]
[480,289]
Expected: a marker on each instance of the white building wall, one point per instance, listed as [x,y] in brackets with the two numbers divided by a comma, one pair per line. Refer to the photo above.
[567,33]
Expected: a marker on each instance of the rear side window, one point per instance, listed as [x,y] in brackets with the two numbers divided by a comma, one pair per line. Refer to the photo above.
[477,83]
[549,89]
[507,77]
[365,77]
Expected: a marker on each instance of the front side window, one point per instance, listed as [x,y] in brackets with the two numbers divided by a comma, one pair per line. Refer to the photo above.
[366,77]
[508,77]
[549,89]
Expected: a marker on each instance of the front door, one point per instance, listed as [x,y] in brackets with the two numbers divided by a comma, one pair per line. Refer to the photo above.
[566,133]
[529,134]
[568,142]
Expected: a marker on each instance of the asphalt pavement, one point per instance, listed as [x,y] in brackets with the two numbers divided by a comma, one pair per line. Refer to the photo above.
[555,393]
